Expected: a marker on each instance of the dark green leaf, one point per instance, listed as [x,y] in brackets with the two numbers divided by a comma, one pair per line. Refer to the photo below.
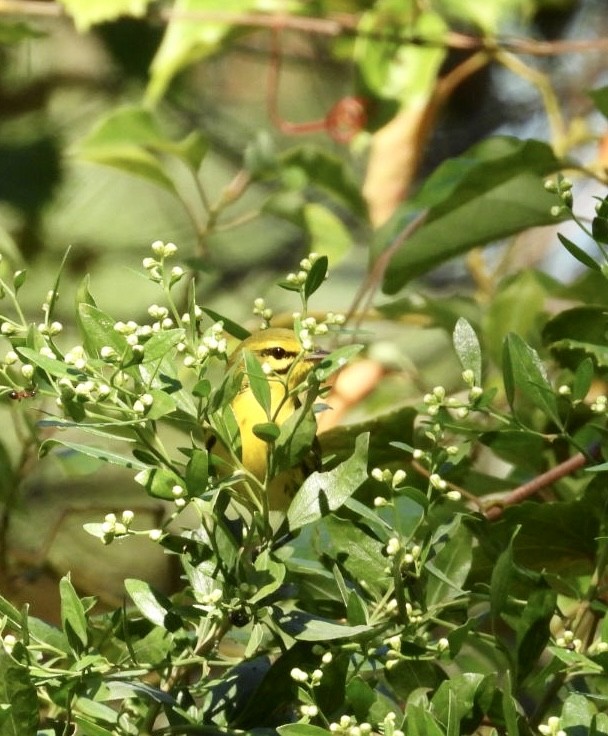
[578,253]
[600,99]
[577,333]
[325,492]
[420,722]
[266,431]
[19,699]
[316,276]
[492,191]
[450,567]
[232,328]
[525,374]
[197,472]
[583,377]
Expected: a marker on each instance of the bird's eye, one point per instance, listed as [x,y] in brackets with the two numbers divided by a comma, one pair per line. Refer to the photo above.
[278,353]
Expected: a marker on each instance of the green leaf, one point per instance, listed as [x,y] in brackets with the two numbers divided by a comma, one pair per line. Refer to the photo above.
[18,696]
[53,367]
[73,616]
[130,139]
[162,404]
[325,492]
[13,33]
[301,729]
[525,375]
[266,431]
[577,333]
[502,580]
[336,360]
[420,722]
[316,276]
[314,166]
[329,236]
[98,331]
[304,626]
[455,698]
[197,471]
[493,190]
[509,706]
[186,42]
[467,348]
[232,328]
[450,567]
[578,253]
[88,14]
[258,381]
[96,452]
[161,344]
[583,378]
[600,99]
[159,482]
[149,603]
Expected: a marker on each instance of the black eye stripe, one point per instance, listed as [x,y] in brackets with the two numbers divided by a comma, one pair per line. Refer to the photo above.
[277,353]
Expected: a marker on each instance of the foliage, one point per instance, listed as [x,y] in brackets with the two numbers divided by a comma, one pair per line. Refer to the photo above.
[443,570]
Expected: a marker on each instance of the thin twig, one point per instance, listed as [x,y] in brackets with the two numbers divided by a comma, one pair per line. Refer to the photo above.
[337,24]
[523,492]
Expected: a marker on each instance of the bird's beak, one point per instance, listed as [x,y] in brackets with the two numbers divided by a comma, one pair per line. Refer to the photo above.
[317,355]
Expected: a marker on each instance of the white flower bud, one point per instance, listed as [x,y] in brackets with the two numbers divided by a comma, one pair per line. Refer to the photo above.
[27,370]
[11,358]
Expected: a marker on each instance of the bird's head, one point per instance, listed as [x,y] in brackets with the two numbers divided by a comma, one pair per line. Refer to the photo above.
[279,348]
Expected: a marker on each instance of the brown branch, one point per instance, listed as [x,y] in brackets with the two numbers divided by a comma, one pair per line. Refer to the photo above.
[523,492]
[337,24]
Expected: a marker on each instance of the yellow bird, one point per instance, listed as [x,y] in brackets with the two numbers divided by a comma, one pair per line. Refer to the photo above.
[286,365]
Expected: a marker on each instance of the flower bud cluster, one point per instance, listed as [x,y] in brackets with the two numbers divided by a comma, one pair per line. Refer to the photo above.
[113,528]
[568,641]
[600,404]
[155,266]
[299,278]
[260,309]
[348,726]
[563,188]
[394,480]
[440,484]
[552,727]
[212,344]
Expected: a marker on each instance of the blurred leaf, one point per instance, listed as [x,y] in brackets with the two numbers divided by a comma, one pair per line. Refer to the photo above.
[17,162]
[73,616]
[577,333]
[131,139]
[335,360]
[321,169]
[325,492]
[583,378]
[328,234]
[467,348]
[18,696]
[187,42]
[11,33]
[491,192]
[600,99]
[86,14]
[525,377]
